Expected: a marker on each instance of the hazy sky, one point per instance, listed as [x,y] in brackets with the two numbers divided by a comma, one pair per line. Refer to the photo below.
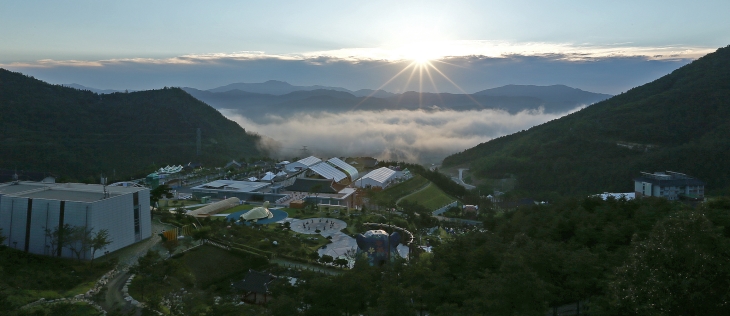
[148,44]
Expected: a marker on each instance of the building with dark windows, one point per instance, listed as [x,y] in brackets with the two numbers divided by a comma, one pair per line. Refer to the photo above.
[27,209]
[669,185]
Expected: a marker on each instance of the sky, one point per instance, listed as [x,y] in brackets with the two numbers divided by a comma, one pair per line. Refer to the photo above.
[600,46]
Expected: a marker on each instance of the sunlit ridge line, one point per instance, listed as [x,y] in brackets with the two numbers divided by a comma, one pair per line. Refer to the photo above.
[386,83]
[457,87]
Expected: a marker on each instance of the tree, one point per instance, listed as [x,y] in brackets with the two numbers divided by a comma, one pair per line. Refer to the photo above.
[326,259]
[58,237]
[99,241]
[341,262]
[2,237]
[161,191]
[680,269]
[79,240]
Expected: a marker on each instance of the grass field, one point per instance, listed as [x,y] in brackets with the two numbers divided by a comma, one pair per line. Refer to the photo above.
[432,197]
[402,189]
[210,264]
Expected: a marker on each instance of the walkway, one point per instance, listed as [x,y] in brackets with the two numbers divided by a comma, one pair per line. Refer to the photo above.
[414,192]
[326,226]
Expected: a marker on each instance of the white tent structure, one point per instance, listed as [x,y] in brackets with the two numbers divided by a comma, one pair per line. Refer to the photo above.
[168,169]
[347,168]
[268,176]
[252,179]
[380,177]
[258,213]
[327,171]
[303,164]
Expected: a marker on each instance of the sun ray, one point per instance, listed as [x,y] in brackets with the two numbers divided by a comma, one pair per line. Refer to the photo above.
[457,87]
[433,84]
[383,85]
[406,86]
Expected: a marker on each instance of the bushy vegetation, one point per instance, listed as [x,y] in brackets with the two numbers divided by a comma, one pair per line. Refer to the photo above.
[617,257]
[77,134]
[26,277]
[678,122]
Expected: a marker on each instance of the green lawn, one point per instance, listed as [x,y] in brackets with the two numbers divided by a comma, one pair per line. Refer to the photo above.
[211,264]
[242,207]
[432,197]
[402,189]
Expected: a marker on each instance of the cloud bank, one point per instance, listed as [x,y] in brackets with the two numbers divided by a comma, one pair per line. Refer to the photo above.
[471,65]
[422,136]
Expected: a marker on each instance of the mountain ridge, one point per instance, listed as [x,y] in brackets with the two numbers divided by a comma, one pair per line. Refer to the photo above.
[78,134]
[678,122]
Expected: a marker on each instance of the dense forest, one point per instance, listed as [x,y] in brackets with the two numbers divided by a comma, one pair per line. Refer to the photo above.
[79,134]
[679,122]
[614,257]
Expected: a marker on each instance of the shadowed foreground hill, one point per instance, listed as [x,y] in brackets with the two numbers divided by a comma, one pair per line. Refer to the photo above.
[79,134]
[680,122]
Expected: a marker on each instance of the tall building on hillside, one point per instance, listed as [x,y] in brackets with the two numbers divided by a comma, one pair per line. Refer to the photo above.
[27,209]
[669,185]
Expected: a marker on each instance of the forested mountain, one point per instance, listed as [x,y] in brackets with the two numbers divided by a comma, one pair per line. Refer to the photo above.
[552,99]
[80,134]
[558,96]
[273,87]
[679,122]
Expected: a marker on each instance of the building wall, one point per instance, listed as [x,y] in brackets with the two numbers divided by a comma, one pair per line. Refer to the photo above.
[114,214]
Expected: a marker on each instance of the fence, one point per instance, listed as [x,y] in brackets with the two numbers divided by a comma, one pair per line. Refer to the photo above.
[445,208]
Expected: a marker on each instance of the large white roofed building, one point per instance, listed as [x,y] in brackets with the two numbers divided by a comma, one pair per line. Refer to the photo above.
[327,171]
[303,164]
[380,177]
[347,168]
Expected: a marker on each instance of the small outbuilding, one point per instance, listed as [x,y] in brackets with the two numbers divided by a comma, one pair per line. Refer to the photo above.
[255,287]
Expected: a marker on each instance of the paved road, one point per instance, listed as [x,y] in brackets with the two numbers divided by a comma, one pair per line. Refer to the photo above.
[460,180]
[126,258]
[115,299]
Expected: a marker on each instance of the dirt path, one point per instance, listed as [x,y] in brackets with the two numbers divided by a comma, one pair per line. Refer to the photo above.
[414,192]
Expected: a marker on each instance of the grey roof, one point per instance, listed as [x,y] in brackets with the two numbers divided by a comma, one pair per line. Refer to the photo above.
[309,161]
[66,195]
[306,185]
[327,171]
[257,282]
[350,170]
[380,175]
[231,185]
[10,189]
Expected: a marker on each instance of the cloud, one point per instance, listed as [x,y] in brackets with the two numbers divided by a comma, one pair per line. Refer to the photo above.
[424,136]
[471,65]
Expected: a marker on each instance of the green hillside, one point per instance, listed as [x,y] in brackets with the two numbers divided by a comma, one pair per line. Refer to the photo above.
[680,122]
[79,134]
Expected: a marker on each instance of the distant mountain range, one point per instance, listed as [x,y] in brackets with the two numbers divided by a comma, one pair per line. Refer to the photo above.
[680,122]
[80,134]
[281,98]
[100,91]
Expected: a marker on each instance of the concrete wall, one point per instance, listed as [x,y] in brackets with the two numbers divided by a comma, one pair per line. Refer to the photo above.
[116,214]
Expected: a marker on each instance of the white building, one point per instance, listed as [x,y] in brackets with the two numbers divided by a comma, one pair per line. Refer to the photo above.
[303,164]
[380,177]
[669,185]
[28,208]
